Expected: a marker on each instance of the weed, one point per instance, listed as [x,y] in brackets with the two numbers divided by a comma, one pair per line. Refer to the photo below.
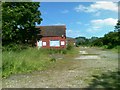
[53,59]
[29,60]
[69,47]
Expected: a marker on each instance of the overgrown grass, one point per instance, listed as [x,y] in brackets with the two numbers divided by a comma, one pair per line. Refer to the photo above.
[115,49]
[28,60]
[106,80]
[24,61]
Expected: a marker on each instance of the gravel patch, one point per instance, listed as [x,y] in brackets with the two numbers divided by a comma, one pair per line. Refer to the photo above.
[88,57]
[85,55]
[77,74]
[83,52]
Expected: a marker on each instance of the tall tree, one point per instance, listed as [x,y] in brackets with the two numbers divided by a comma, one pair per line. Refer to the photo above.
[117,27]
[18,21]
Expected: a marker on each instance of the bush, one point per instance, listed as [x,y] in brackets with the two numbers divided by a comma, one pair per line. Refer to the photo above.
[110,46]
[64,51]
[105,46]
[14,47]
[69,47]
[53,59]
[53,51]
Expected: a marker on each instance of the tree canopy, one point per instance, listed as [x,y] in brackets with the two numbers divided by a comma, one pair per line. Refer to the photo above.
[18,21]
[110,40]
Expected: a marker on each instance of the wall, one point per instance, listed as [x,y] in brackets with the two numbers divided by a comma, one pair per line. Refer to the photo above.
[47,40]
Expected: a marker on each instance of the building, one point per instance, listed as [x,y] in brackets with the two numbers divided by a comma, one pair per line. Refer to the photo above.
[52,36]
[70,41]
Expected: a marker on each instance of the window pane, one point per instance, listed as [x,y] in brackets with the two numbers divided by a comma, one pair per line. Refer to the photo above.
[39,43]
[44,43]
[62,43]
[55,43]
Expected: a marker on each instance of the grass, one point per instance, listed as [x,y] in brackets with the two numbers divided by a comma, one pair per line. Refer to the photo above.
[106,80]
[29,60]
[67,61]
[24,61]
[116,49]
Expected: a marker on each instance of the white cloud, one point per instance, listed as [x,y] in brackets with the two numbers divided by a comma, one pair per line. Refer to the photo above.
[65,11]
[105,5]
[69,31]
[80,8]
[97,6]
[98,25]
[97,14]
[73,33]
[94,29]
[107,21]
[58,24]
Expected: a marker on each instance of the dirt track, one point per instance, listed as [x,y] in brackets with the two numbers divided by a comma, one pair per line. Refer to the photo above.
[73,73]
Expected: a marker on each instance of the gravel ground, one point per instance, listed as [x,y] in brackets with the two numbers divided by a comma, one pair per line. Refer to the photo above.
[74,73]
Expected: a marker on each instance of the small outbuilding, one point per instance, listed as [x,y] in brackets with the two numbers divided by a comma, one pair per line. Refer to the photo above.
[51,36]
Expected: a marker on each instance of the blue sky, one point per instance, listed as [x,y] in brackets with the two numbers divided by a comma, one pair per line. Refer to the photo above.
[81,18]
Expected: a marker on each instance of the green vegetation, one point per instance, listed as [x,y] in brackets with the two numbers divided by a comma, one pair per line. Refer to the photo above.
[69,47]
[106,80]
[19,36]
[18,22]
[109,41]
[23,61]
[30,59]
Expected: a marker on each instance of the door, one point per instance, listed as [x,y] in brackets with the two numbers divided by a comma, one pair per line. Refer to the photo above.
[39,44]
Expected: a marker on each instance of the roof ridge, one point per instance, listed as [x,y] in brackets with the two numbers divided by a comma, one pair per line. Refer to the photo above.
[50,25]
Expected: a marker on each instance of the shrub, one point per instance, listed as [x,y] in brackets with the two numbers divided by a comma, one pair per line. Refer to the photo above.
[53,59]
[69,47]
[14,47]
[64,51]
[105,46]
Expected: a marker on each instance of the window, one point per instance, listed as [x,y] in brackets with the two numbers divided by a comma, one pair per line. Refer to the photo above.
[44,43]
[54,43]
[39,43]
[62,43]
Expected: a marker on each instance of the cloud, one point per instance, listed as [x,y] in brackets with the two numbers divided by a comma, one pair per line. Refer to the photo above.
[107,21]
[69,31]
[94,29]
[81,8]
[97,14]
[105,5]
[58,24]
[73,33]
[65,11]
[98,25]
[97,6]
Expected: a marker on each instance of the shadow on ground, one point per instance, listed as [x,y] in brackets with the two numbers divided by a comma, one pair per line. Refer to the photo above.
[109,80]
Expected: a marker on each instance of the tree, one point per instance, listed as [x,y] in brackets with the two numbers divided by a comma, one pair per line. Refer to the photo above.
[117,27]
[81,40]
[18,21]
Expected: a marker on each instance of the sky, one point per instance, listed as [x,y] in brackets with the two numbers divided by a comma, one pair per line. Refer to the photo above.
[87,19]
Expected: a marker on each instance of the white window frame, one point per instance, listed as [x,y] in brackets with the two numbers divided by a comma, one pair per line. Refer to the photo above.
[39,43]
[62,43]
[54,44]
[44,44]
